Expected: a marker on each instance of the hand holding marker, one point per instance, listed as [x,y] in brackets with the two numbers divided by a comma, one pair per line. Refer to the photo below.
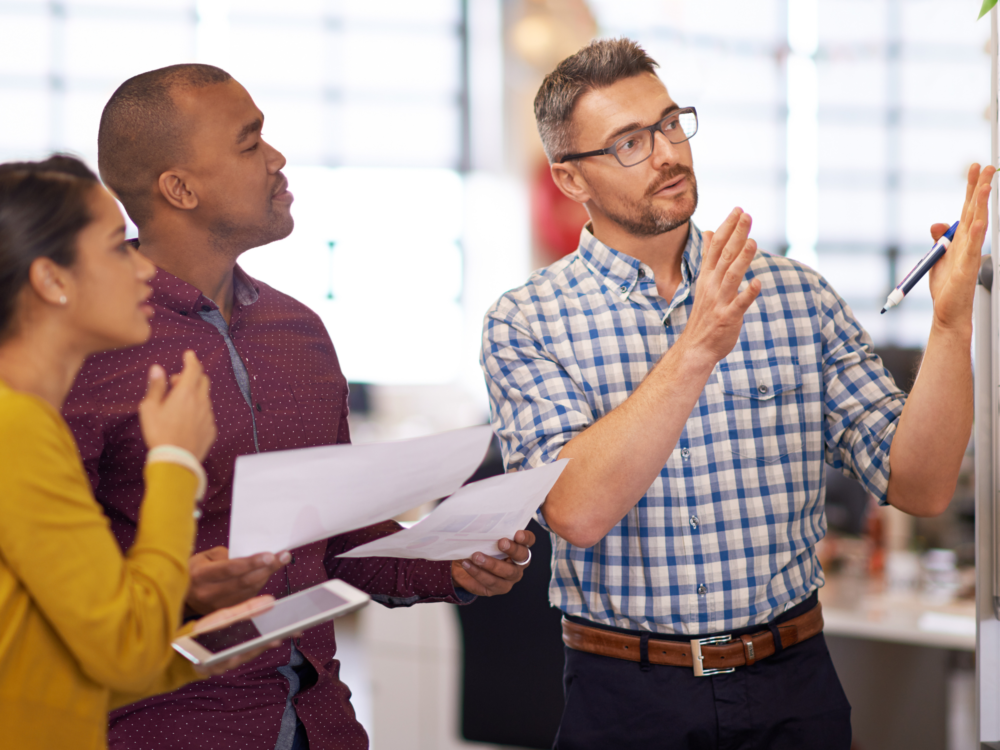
[918,271]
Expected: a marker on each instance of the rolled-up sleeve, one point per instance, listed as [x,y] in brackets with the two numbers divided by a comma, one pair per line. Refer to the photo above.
[862,403]
[536,404]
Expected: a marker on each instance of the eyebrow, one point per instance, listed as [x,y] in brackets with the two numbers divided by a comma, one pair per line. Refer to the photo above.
[250,128]
[636,125]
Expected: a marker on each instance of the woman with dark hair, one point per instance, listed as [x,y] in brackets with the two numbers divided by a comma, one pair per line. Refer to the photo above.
[84,628]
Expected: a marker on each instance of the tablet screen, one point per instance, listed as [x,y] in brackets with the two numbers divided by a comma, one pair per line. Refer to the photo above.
[234,635]
[285,613]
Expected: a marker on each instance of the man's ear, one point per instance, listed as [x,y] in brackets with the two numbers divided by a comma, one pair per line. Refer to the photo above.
[176,190]
[570,180]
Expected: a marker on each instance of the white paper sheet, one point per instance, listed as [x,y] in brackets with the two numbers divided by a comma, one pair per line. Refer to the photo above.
[286,499]
[472,520]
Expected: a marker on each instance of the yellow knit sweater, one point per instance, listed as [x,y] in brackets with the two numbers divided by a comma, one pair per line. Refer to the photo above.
[83,629]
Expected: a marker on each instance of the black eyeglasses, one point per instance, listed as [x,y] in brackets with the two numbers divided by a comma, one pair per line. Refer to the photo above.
[635,147]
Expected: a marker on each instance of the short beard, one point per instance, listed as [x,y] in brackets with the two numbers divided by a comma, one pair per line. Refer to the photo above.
[232,238]
[640,219]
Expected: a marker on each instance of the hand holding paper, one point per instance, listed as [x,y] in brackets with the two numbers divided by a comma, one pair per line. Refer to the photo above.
[471,520]
[487,576]
[287,499]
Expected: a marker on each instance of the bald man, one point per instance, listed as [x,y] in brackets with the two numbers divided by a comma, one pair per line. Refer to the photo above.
[182,148]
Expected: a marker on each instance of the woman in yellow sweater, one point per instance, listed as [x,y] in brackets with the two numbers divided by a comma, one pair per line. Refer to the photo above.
[82,627]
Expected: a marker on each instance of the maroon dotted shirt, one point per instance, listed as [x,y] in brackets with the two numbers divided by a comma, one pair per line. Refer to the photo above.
[299,398]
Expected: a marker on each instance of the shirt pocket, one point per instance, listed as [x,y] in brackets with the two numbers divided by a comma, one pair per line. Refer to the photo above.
[763,406]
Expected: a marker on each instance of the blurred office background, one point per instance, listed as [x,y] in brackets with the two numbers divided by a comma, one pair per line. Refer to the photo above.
[845,127]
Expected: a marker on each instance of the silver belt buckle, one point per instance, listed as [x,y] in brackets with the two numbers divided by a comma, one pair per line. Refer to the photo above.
[698,660]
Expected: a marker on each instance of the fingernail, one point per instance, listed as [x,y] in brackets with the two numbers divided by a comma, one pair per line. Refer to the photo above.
[479,558]
[267,558]
[466,564]
[504,545]
[285,557]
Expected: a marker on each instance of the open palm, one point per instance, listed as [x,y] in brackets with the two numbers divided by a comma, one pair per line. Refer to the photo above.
[953,278]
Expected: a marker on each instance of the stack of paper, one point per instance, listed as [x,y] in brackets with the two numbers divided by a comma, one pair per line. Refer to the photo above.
[286,499]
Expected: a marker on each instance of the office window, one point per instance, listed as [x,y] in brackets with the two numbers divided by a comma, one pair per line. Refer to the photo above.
[721,57]
[60,61]
[845,127]
[366,100]
[903,100]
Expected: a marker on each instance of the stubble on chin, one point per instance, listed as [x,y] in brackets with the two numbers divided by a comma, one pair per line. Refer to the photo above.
[641,218]
[232,237]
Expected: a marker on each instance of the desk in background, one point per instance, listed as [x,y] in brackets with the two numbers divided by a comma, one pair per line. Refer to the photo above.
[906,665]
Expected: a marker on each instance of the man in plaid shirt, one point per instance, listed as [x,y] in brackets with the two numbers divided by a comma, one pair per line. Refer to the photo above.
[700,386]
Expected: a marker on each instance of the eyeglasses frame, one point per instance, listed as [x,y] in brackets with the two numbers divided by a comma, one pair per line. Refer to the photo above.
[653,129]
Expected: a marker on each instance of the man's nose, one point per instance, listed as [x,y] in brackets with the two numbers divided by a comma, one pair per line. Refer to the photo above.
[274,158]
[664,152]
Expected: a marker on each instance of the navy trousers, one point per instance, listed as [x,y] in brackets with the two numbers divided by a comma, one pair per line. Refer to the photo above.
[791,700]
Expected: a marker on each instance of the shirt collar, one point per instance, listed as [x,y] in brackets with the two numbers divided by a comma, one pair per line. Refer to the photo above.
[245,289]
[622,271]
[178,295]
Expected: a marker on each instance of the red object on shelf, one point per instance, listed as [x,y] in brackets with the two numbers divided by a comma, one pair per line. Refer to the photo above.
[555,219]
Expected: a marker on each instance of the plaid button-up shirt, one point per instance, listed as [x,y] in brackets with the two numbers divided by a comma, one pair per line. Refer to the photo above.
[725,536]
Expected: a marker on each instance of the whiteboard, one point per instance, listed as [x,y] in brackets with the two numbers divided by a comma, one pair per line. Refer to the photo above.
[987,380]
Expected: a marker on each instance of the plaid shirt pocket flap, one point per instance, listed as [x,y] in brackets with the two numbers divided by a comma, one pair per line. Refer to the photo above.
[760,379]
[763,427]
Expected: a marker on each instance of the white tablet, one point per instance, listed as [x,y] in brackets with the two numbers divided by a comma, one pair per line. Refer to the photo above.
[290,615]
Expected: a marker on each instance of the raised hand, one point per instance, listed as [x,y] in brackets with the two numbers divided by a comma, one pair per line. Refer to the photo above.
[182,417]
[218,581]
[953,278]
[717,314]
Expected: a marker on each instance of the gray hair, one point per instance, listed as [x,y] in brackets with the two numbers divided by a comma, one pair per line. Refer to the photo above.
[601,63]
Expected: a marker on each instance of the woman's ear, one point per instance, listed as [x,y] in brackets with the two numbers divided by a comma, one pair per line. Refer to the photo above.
[176,190]
[570,180]
[50,281]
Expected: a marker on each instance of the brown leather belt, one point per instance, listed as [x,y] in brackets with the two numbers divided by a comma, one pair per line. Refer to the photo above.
[704,655]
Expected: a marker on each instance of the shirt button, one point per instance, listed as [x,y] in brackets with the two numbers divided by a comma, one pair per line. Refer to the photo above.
[685,454]
[258,407]
[702,589]
[642,273]
[694,522]
[206,308]
[762,388]
[623,288]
